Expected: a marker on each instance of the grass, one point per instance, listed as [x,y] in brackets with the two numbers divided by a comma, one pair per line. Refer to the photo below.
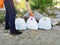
[2,15]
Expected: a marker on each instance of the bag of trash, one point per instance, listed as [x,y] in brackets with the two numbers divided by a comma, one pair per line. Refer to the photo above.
[32,24]
[20,24]
[44,23]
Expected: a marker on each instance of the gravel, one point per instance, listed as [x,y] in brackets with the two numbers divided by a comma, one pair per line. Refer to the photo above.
[31,37]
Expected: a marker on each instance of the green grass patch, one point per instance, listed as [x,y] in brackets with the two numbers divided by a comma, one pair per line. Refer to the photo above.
[2,16]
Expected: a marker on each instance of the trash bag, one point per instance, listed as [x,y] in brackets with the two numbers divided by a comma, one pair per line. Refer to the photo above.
[44,23]
[32,24]
[20,24]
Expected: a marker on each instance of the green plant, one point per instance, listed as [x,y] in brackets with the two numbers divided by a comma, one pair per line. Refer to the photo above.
[40,4]
[2,17]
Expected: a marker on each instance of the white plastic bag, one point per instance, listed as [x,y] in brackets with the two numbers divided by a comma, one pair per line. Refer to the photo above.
[44,23]
[20,24]
[32,24]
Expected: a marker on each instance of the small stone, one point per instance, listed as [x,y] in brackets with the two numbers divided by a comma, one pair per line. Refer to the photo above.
[55,21]
[50,11]
[57,16]
[57,12]
[44,14]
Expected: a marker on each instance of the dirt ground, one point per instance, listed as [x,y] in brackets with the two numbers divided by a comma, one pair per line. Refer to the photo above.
[31,37]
